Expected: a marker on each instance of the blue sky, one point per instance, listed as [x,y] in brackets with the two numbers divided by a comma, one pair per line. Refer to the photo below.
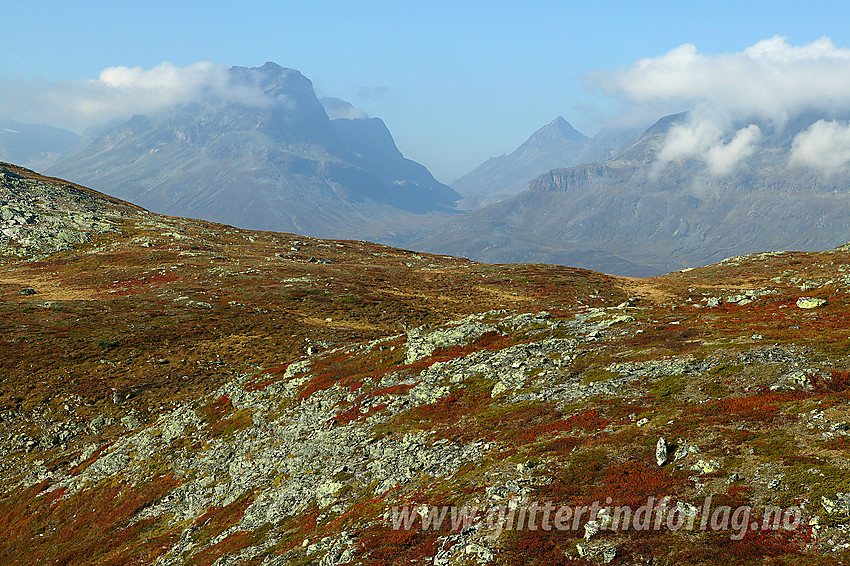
[456,82]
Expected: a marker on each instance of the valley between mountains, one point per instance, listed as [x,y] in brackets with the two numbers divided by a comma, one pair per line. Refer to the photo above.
[176,391]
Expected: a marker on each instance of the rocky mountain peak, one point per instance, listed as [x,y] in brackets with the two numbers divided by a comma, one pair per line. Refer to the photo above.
[555,145]
[559,129]
[267,156]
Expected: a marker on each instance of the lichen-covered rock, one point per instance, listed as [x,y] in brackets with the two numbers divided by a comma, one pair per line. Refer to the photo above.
[661,451]
[421,344]
[810,302]
[706,466]
[839,505]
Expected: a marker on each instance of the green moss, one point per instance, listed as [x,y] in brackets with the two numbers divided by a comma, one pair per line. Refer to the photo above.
[774,445]
[594,374]
[668,386]
[835,348]
[343,475]
[815,479]
[714,389]
[226,428]
[532,372]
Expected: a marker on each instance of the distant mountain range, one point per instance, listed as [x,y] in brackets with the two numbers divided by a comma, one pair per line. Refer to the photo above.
[626,216]
[277,164]
[614,202]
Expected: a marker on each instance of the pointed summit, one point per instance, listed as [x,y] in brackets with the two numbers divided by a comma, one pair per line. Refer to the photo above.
[558,129]
[555,145]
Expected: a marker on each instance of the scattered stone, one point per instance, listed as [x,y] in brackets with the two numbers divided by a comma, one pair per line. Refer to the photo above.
[838,506]
[684,449]
[794,379]
[597,553]
[27,291]
[661,451]
[706,466]
[130,422]
[421,344]
[815,526]
[810,302]
[326,493]
[590,529]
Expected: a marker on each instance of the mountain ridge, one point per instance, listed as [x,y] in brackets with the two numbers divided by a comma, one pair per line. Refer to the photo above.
[555,144]
[270,158]
[659,219]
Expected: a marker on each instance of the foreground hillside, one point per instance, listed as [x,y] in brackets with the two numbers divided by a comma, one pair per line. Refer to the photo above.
[181,392]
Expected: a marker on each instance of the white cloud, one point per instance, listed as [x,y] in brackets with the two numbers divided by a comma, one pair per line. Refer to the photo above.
[768,80]
[688,141]
[723,158]
[336,108]
[120,92]
[703,140]
[766,83]
[824,146]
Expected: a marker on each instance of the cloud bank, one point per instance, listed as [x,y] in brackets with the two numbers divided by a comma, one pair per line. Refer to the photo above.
[824,146]
[120,92]
[336,108]
[767,83]
[769,80]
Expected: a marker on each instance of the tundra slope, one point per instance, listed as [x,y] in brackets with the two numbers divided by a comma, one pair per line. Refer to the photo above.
[183,392]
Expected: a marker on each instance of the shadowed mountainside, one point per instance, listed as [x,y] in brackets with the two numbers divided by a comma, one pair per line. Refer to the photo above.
[276,161]
[33,145]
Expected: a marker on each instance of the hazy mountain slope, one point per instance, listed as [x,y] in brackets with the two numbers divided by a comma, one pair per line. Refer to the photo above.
[33,145]
[554,146]
[182,392]
[557,144]
[372,144]
[675,218]
[273,163]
